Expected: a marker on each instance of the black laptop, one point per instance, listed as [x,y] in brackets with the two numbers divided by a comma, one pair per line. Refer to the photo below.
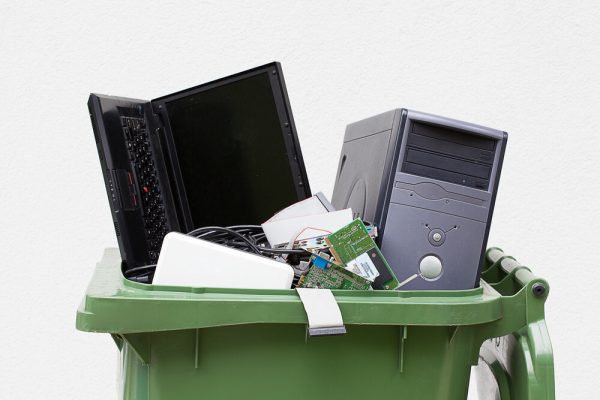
[222,153]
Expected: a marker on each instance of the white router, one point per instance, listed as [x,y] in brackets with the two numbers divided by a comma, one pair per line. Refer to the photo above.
[187,261]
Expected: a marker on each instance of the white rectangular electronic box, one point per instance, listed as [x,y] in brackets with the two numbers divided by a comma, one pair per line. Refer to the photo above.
[188,261]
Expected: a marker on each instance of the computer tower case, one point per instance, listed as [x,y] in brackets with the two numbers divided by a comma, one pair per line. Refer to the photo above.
[429,183]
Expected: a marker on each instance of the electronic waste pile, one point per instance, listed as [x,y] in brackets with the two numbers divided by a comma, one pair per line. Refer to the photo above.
[315,245]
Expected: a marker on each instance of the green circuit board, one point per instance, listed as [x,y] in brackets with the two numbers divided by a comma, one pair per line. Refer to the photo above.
[333,277]
[355,249]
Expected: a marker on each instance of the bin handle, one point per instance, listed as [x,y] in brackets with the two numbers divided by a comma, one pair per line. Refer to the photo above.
[522,274]
[526,303]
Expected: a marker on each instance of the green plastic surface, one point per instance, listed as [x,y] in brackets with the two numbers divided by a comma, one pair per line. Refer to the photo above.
[192,343]
[520,365]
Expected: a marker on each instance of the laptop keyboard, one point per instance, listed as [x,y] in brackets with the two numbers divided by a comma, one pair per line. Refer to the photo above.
[149,195]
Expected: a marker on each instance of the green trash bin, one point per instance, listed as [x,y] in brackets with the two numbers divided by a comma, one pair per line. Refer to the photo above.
[200,343]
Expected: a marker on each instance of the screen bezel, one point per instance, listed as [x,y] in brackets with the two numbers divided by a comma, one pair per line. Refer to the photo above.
[286,122]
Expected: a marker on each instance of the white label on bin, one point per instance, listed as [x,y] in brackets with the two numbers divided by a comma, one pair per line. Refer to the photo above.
[321,308]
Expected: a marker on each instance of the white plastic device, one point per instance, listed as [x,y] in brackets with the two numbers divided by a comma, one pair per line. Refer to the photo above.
[188,261]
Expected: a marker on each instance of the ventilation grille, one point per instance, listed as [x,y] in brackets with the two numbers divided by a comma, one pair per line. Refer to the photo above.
[117,230]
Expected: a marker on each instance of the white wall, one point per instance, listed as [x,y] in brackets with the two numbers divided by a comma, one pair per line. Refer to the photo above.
[530,68]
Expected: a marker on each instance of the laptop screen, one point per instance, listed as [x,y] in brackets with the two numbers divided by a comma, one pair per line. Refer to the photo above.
[232,153]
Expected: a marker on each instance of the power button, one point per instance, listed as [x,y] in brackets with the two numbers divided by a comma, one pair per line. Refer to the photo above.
[430,267]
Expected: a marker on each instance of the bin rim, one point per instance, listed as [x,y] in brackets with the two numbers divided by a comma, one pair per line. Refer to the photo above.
[116,305]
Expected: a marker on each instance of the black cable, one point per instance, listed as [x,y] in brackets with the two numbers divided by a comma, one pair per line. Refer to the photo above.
[283,251]
[150,267]
[242,237]
[198,233]
[256,227]
[207,231]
